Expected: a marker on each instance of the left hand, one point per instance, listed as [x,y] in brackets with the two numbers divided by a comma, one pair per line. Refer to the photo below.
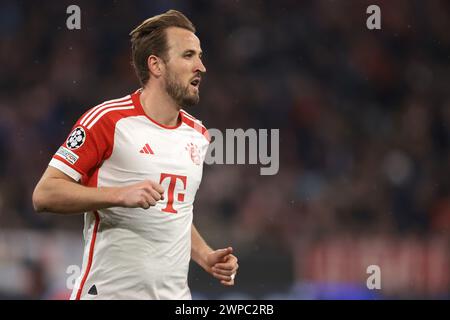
[223,265]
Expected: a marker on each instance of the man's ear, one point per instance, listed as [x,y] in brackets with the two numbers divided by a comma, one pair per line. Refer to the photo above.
[155,65]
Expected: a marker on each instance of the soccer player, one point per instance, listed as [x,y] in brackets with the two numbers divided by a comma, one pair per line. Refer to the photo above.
[133,166]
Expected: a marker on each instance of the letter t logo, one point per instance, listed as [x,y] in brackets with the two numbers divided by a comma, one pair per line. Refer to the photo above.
[171,190]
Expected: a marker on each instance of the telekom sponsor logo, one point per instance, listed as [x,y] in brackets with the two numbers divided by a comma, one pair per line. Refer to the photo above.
[171,190]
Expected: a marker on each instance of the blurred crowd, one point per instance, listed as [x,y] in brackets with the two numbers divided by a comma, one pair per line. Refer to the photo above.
[364,115]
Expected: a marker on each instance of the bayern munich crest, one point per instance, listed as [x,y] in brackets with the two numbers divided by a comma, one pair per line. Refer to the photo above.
[76,138]
[194,153]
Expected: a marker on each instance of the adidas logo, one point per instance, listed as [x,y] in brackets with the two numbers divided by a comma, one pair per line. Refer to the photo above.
[146,149]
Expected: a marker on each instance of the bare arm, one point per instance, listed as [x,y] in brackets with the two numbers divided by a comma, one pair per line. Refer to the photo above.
[221,263]
[200,249]
[58,193]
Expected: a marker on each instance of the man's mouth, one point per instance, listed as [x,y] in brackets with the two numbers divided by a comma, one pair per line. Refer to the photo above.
[196,82]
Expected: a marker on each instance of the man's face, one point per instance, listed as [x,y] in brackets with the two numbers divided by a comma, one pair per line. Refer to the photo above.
[183,66]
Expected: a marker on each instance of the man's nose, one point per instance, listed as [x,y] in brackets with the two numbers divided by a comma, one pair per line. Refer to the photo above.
[200,66]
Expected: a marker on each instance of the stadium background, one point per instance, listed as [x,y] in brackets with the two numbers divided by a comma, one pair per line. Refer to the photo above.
[364,119]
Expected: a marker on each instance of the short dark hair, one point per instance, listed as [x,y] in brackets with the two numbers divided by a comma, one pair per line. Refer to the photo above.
[149,38]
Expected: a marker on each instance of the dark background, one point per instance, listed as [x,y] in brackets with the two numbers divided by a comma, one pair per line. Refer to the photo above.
[364,119]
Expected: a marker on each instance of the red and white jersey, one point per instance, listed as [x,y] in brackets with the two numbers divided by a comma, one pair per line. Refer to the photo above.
[135,253]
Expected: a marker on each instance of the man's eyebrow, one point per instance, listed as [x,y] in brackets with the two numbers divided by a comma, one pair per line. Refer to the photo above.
[200,53]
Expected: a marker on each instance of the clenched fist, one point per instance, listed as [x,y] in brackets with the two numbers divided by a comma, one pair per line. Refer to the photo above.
[140,195]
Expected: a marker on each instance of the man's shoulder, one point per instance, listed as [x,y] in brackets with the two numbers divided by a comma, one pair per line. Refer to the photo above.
[107,112]
[194,124]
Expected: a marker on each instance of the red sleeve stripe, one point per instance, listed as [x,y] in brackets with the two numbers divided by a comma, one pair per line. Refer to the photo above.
[196,126]
[100,109]
[109,102]
[113,108]
[198,122]
[189,115]
[91,255]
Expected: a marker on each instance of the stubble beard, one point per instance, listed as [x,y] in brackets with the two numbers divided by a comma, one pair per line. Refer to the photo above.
[179,93]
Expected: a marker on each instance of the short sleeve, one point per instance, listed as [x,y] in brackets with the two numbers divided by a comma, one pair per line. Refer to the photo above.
[84,150]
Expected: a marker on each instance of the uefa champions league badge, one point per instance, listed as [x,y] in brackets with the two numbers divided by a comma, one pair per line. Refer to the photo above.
[76,138]
[194,153]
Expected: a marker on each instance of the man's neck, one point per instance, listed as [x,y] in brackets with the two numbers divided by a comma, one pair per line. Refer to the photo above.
[159,106]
